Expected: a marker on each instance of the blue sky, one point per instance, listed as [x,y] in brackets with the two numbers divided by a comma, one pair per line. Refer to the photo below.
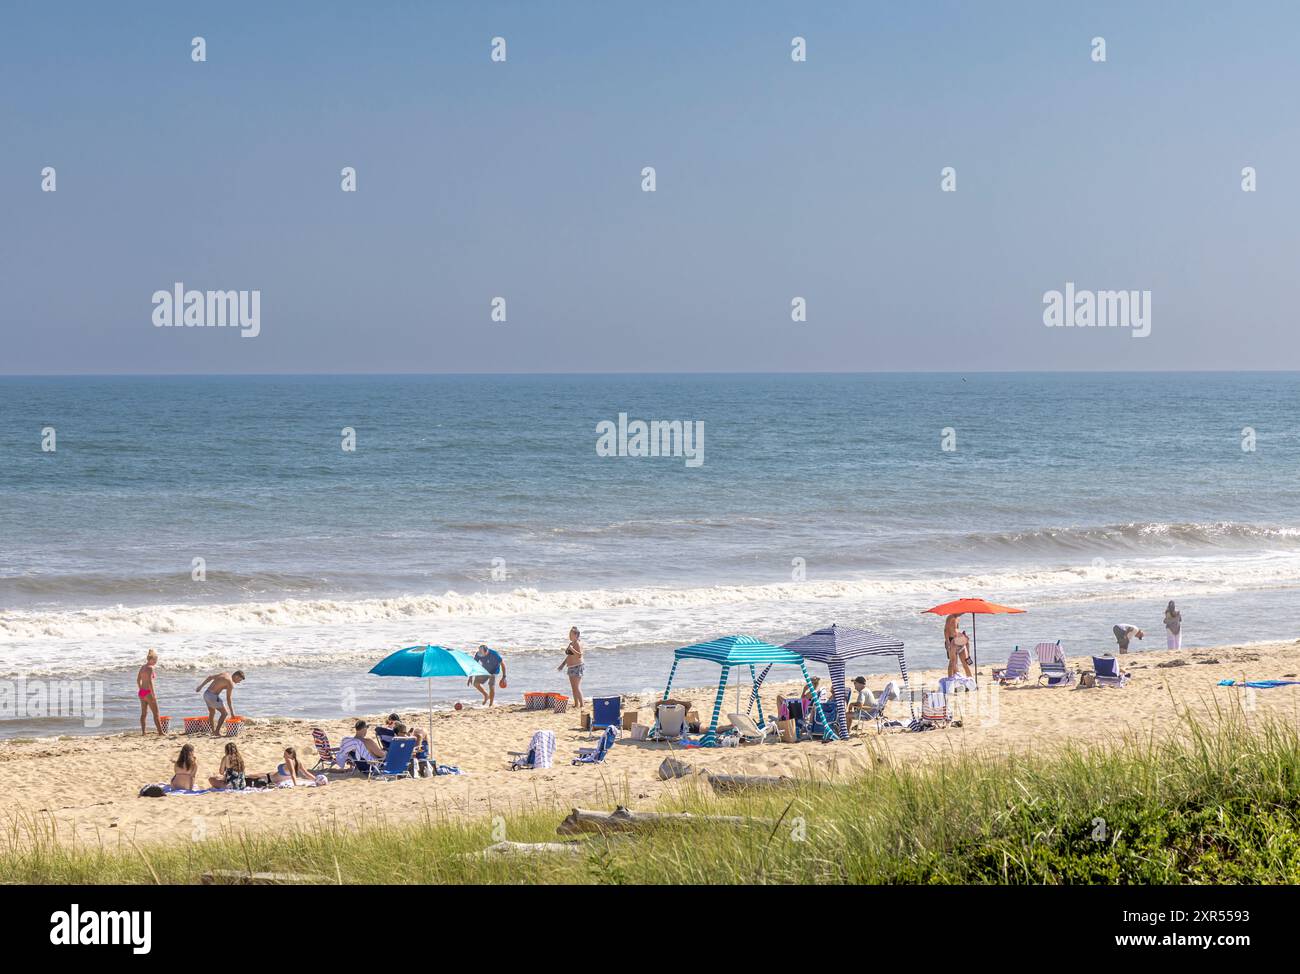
[522,179]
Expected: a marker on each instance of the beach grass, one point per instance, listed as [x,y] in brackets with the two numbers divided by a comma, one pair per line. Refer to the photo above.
[1218,802]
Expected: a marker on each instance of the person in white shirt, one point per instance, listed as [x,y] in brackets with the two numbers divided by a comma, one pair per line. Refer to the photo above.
[1123,633]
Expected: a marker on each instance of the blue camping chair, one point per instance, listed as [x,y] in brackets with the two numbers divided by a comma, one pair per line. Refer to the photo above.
[1107,672]
[596,755]
[606,712]
[397,762]
[831,709]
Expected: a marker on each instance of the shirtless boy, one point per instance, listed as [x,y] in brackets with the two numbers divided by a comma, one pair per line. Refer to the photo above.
[220,683]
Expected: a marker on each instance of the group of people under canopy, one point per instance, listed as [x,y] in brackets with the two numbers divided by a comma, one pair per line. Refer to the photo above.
[835,646]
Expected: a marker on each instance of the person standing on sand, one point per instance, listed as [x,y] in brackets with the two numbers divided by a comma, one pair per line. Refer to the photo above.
[574,665]
[1123,633]
[1173,623]
[148,697]
[221,683]
[955,643]
[491,661]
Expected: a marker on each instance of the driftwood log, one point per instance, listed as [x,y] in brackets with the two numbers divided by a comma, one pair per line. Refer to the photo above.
[238,877]
[625,820]
[533,849]
[744,782]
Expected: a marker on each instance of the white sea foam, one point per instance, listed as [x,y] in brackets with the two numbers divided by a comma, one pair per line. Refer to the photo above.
[297,631]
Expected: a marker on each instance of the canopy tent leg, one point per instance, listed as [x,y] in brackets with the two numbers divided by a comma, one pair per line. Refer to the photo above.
[907,684]
[758,684]
[841,696]
[756,699]
[710,738]
[817,703]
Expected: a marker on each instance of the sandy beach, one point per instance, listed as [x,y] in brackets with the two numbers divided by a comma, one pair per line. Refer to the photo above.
[86,788]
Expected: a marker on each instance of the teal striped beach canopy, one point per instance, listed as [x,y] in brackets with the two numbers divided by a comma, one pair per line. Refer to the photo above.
[738,650]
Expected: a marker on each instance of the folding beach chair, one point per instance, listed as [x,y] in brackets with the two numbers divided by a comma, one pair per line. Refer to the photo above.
[1017,668]
[1052,666]
[540,753]
[816,729]
[1107,673]
[751,733]
[324,753]
[396,763]
[596,755]
[934,708]
[670,724]
[606,712]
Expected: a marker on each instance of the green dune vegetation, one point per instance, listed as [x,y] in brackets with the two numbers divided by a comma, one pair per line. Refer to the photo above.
[1212,802]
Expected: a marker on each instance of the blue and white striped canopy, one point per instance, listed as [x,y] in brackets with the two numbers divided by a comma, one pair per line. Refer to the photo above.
[738,650]
[845,643]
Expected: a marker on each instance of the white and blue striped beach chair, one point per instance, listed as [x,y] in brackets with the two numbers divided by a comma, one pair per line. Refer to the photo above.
[1052,665]
[1017,668]
[540,753]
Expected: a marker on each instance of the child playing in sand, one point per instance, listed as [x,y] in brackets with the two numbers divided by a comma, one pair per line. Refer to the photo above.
[149,698]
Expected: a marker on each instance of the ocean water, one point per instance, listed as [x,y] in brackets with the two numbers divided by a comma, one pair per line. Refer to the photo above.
[476,509]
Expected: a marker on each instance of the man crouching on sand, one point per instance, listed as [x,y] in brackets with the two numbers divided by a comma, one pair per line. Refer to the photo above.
[221,682]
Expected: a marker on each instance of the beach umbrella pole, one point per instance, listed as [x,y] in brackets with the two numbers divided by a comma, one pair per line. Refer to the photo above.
[975,648]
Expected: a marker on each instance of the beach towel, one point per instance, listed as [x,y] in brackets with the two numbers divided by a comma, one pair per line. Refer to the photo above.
[950,683]
[1260,684]
[540,753]
[353,749]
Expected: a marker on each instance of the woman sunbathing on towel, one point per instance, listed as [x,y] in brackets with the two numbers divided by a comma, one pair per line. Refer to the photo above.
[185,769]
[292,770]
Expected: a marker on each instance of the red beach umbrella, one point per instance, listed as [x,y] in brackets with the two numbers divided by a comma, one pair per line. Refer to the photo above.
[974,607]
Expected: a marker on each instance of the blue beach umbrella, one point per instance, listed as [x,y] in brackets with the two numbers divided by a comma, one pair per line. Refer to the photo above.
[428,661]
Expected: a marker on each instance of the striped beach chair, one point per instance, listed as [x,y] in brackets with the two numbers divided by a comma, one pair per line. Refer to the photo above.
[1052,665]
[540,753]
[1107,673]
[934,708]
[1017,668]
[324,752]
[596,755]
